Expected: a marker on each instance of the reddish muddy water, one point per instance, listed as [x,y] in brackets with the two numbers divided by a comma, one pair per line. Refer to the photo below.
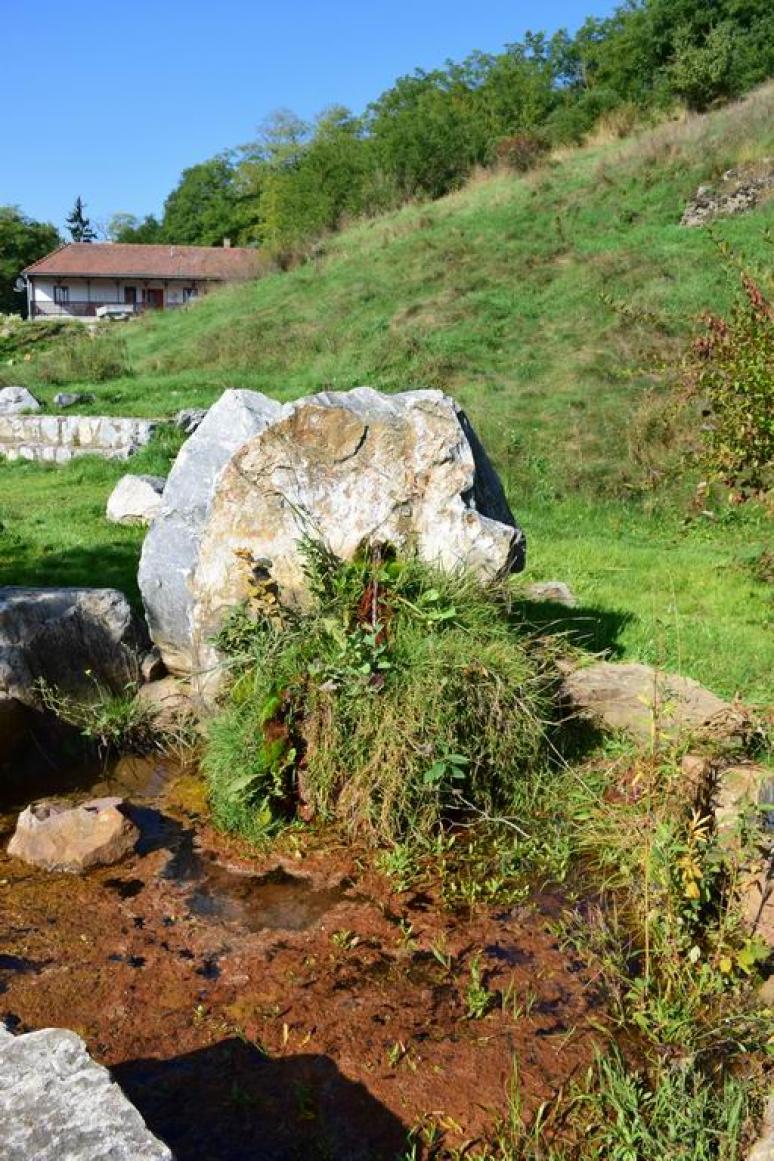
[283,1006]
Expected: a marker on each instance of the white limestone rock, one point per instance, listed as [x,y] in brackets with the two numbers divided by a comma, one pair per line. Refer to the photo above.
[57,1104]
[170,550]
[135,499]
[344,467]
[17,401]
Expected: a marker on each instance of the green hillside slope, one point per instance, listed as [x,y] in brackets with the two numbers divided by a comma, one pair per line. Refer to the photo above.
[496,294]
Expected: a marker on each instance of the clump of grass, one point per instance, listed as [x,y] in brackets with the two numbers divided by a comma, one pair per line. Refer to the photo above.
[401,700]
[665,929]
[84,356]
[114,722]
[621,1113]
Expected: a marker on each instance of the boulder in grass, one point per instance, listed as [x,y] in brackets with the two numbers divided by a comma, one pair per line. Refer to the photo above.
[57,1104]
[189,419]
[17,401]
[650,704]
[170,549]
[135,499]
[65,399]
[342,467]
[57,837]
[557,592]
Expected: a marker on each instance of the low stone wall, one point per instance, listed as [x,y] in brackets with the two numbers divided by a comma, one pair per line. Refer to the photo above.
[58,438]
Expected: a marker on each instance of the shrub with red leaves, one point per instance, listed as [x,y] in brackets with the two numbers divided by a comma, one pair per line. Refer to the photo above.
[730,369]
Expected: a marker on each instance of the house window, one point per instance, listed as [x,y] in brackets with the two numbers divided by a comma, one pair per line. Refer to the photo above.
[62,294]
[190,292]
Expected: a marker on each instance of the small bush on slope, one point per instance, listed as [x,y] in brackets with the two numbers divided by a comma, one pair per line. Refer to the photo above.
[400,700]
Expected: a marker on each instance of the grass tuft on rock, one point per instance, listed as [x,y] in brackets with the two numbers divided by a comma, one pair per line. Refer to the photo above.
[400,700]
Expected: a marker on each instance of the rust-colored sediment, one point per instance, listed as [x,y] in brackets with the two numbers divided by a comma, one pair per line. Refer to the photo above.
[331,1040]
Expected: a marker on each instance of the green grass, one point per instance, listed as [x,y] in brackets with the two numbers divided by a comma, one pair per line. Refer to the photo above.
[370,710]
[494,294]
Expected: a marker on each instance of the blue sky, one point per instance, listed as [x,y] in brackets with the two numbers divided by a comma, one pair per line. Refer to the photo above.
[111,101]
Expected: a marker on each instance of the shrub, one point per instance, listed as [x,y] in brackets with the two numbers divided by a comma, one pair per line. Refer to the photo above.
[522,151]
[399,701]
[729,371]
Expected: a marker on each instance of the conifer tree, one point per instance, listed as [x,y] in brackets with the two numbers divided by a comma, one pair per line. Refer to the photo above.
[78,224]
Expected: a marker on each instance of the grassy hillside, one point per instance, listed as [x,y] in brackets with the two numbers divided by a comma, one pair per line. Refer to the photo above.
[496,294]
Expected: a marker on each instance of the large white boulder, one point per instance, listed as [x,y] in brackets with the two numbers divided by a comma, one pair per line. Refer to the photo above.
[342,467]
[57,1104]
[135,499]
[170,552]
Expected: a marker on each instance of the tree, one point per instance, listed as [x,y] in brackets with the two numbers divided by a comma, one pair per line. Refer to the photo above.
[128,228]
[78,224]
[22,241]
[701,72]
[205,207]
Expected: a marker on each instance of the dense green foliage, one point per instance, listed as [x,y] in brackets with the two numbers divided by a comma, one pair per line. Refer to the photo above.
[426,134]
[365,707]
[22,241]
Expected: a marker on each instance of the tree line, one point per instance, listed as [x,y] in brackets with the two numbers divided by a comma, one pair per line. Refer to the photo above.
[424,136]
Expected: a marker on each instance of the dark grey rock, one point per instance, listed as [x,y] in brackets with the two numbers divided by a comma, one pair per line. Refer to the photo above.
[153,667]
[57,1104]
[190,419]
[71,398]
[71,638]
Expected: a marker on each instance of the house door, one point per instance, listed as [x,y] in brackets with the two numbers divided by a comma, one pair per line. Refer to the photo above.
[154,299]
[130,295]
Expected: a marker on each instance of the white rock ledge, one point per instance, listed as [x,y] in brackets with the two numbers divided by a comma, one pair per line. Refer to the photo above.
[57,1104]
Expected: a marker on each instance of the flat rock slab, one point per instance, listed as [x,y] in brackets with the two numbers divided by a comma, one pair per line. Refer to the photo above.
[72,839]
[57,1104]
[135,499]
[648,703]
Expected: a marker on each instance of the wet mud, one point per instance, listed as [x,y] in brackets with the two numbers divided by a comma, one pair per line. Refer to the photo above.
[286,1005]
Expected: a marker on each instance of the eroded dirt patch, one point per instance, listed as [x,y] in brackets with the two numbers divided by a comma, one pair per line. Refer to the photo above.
[288,1006]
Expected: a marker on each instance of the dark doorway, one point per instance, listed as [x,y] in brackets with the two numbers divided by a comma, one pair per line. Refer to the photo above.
[130,295]
[154,299]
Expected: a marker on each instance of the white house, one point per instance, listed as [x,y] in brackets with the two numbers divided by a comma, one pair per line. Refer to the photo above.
[78,279]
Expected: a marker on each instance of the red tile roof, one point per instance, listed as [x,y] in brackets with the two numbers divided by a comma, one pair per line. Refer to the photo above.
[127,260]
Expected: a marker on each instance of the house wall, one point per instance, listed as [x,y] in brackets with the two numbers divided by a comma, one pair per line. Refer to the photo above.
[100,290]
